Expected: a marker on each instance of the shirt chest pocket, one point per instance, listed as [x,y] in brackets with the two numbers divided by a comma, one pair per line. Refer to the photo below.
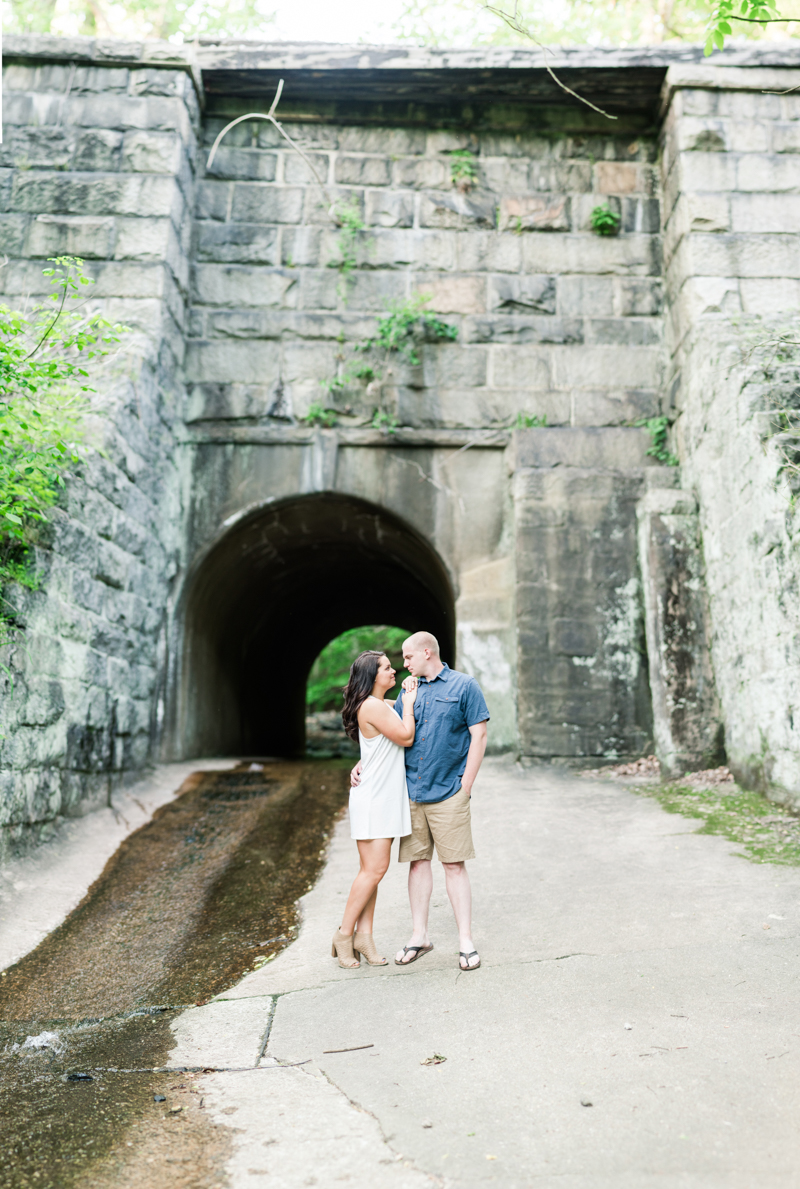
[445,708]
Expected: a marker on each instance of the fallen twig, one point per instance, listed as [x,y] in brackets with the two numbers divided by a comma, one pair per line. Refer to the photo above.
[354,1049]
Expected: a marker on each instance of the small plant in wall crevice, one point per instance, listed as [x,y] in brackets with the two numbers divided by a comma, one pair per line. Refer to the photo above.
[463,173]
[658,428]
[320,416]
[401,331]
[605,221]
[530,421]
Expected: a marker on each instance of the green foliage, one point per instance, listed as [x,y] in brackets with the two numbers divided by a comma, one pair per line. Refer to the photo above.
[400,332]
[331,670]
[318,415]
[658,428]
[348,216]
[407,324]
[384,421]
[752,12]
[530,421]
[463,173]
[44,398]
[605,221]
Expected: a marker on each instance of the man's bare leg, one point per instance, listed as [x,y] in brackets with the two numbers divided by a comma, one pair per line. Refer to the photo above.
[460,893]
[420,887]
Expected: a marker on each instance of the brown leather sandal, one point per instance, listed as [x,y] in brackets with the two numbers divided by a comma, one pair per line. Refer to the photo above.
[466,957]
[417,950]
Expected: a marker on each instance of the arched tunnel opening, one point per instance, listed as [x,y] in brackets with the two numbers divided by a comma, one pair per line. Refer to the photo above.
[271,593]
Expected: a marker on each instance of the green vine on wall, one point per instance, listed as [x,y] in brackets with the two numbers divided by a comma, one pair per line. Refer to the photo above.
[401,331]
[348,217]
[658,428]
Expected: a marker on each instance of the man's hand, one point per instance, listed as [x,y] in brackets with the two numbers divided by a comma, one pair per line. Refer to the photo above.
[477,747]
[355,776]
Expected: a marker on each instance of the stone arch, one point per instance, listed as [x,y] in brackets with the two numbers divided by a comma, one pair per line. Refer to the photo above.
[265,598]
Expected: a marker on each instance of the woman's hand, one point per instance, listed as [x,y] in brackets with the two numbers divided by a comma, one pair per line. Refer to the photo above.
[410,687]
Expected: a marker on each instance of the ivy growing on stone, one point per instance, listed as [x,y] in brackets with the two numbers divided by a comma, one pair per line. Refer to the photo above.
[658,428]
[401,331]
[319,415]
[407,325]
[348,216]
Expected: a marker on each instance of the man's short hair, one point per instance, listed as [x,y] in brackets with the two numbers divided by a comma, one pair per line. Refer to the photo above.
[424,640]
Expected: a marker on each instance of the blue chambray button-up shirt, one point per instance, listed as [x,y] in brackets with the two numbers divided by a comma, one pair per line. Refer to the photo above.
[446,707]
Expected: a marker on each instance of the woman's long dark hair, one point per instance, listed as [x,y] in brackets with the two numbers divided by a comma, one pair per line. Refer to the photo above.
[363,672]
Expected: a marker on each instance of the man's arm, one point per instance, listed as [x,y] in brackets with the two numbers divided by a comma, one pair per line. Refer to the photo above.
[477,750]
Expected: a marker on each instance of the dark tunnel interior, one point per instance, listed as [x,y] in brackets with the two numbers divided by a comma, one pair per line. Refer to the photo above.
[272,593]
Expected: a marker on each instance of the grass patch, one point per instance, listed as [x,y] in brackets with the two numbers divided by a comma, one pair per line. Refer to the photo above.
[765,834]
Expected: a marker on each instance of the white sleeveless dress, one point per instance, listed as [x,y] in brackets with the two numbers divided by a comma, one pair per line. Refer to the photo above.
[379,805]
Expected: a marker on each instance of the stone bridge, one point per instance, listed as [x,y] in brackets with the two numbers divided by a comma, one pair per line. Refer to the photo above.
[201,559]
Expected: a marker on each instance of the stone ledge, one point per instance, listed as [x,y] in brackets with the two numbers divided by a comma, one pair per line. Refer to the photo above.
[762,76]
[591,449]
[296,435]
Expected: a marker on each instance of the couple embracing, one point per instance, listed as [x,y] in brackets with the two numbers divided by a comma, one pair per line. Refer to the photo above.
[419,759]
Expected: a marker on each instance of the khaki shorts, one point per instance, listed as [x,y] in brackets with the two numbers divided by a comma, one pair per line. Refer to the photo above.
[447,823]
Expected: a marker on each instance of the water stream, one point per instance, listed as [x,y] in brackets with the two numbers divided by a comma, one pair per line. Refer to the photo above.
[188,904]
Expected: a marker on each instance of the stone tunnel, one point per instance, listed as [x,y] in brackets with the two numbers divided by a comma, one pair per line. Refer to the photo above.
[217,538]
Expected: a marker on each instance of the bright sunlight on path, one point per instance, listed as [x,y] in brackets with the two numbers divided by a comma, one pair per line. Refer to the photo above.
[633,1023]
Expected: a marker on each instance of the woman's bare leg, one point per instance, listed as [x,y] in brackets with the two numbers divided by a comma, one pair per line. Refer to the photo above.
[367,914]
[374,855]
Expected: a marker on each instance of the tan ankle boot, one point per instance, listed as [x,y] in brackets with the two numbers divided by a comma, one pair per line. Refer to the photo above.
[364,947]
[342,948]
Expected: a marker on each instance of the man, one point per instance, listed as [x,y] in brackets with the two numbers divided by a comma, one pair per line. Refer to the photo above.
[441,766]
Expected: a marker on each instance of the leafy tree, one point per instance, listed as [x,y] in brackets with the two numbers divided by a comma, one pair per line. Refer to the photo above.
[44,398]
[331,670]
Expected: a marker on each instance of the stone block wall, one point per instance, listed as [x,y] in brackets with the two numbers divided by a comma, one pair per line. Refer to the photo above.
[582,668]
[553,320]
[98,161]
[241,316]
[731,168]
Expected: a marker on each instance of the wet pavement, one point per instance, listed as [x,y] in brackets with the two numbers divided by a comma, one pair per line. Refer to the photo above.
[204,893]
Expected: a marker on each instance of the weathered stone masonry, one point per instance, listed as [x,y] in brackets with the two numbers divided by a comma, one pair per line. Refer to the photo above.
[217,529]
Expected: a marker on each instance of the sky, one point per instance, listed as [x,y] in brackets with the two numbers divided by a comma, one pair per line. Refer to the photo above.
[336,20]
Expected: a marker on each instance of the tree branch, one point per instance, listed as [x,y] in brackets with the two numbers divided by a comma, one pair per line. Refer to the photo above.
[514,23]
[270,115]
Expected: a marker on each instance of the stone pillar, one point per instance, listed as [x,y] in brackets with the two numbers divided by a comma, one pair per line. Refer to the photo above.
[686,719]
[98,162]
[581,655]
[731,172]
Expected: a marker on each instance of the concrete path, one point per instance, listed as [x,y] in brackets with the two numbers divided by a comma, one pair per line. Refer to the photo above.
[633,1023]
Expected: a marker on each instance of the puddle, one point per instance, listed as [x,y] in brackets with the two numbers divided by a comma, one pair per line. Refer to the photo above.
[188,904]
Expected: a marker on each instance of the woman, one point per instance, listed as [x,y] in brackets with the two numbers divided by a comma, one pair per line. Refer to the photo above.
[379,806]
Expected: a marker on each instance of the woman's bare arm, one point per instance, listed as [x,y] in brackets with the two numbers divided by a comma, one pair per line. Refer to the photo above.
[378,715]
